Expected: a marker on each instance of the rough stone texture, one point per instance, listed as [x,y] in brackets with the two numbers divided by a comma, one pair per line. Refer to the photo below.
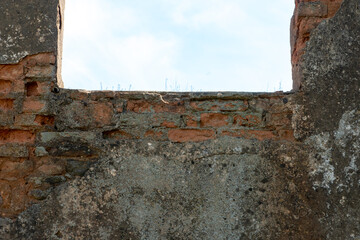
[27,27]
[152,165]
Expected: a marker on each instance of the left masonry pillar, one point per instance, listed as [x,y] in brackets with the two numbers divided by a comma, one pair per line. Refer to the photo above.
[30,66]
[29,27]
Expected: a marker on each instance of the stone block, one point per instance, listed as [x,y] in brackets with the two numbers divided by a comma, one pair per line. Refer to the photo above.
[41,152]
[77,168]
[13,150]
[47,137]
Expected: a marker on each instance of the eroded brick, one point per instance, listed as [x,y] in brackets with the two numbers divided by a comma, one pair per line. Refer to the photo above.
[251,134]
[33,105]
[40,59]
[142,106]
[5,87]
[247,120]
[41,71]
[191,121]
[12,170]
[213,120]
[44,120]
[6,104]
[190,135]
[11,72]
[102,113]
[16,136]
[168,124]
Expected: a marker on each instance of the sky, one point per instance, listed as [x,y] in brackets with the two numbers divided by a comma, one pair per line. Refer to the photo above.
[183,45]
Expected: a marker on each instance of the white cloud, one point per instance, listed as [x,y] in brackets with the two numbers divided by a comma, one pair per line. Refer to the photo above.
[224,14]
[91,42]
[115,42]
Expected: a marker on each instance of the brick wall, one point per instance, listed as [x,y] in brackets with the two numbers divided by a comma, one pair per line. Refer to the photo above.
[50,135]
[153,165]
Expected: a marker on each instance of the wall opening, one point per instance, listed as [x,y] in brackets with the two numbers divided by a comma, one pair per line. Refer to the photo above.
[161,45]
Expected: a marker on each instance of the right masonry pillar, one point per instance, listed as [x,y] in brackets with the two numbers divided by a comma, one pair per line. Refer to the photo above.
[307,16]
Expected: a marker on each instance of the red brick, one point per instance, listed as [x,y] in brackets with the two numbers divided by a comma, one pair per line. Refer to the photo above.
[80,95]
[168,124]
[11,72]
[195,105]
[138,106]
[251,134]
[11,170]
[141,106]
[37,88]
[247,121]
[16,136]
[6,104]
[102,113]
[213,120]
[172,107]
[44,120]
[31,105]
[40,59]
[191,121]
[18,86]
[333,7]
[5,86]
[190,135]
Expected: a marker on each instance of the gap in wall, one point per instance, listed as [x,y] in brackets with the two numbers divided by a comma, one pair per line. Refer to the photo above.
[188,45]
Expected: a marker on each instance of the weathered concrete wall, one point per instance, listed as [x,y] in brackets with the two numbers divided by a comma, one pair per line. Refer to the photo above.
[150,165]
